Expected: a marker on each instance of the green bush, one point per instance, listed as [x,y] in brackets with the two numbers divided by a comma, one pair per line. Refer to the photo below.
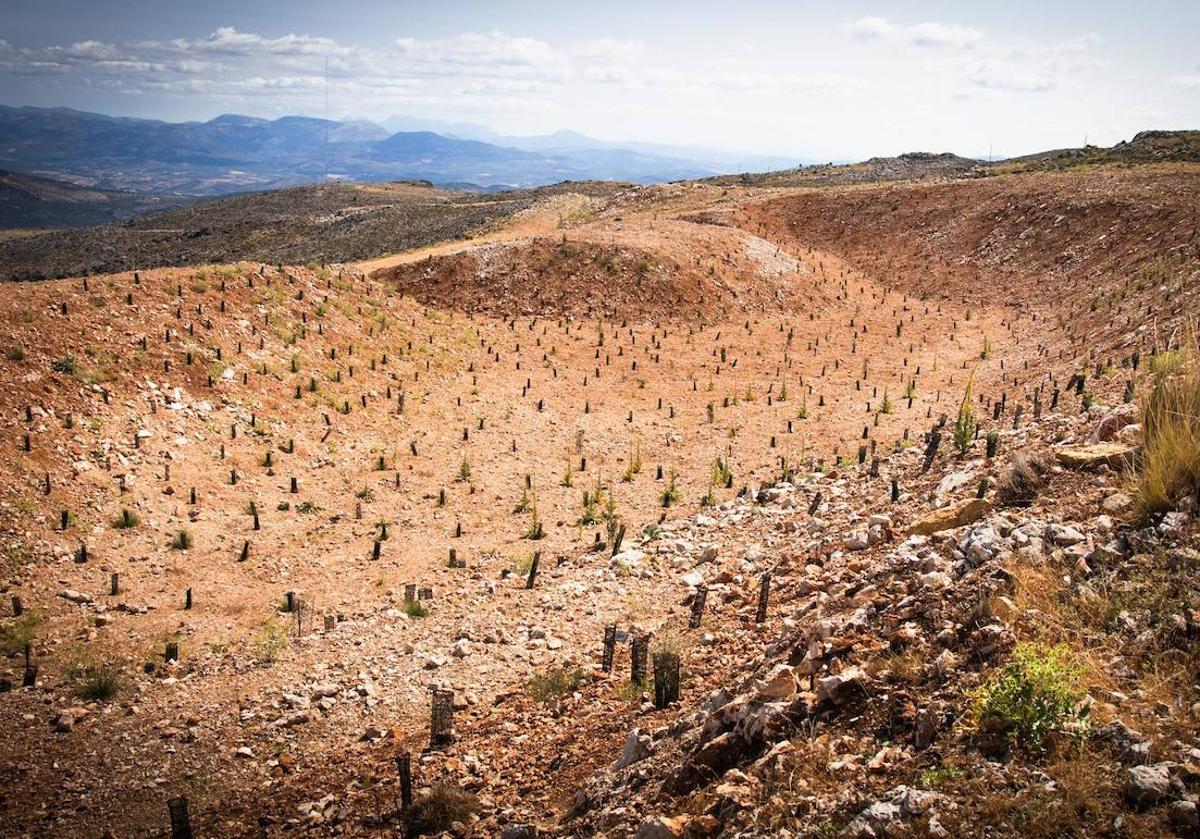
[182,540]
[1032,698]
[66,364]
[415,609]
[441,807]
[15,636]
[270,642]
[554,683]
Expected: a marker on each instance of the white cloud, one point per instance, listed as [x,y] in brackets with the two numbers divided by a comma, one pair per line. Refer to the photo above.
[929,34]
[1186,81]
[1032,67]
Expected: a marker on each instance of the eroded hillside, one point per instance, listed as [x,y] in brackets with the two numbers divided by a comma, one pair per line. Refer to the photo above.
[222,480]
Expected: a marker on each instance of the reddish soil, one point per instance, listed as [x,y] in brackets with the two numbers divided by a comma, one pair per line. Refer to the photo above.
[651,330]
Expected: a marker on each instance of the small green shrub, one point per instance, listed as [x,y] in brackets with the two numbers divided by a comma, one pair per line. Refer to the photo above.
[270,642]
[15,353]
[415,609]
[66,364]
[554,683]
[964,425]
[22,632]
[1032,698]
[934,778]
[670,493]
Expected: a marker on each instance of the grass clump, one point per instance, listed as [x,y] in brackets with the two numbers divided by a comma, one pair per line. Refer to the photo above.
[66,364]
[415,609]
[126,520]
[1030,700]
[554,683]
[1019,484]
[96,682]
[1169,464]
[182,540]
[441,807]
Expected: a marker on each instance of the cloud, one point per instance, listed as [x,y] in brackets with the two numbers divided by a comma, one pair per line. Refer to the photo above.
[930,34]
[1184,81]
[1032,67]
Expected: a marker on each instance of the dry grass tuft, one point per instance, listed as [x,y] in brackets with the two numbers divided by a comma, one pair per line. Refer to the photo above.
[1169,467]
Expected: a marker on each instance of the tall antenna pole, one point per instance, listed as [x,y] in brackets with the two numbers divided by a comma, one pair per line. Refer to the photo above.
[326,154]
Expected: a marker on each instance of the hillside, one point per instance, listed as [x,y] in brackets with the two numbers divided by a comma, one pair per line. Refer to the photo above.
[827,455]
[1145,147]
[336,223]
[34,203]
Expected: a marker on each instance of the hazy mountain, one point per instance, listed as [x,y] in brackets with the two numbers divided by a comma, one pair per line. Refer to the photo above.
[571,143]
[234,153]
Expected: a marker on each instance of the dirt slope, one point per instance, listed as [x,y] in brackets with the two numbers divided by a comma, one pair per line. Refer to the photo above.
[470,398]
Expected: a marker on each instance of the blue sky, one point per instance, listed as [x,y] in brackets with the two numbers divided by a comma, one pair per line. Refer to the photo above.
[809,80]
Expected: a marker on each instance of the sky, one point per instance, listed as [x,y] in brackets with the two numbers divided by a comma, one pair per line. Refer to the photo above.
[815,81]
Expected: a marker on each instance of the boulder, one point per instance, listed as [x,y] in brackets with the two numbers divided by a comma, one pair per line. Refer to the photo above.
[1115,455]
[838,688]
[1146,786]
[637,747]
[1112,423]
[663,827]
[779,684]
[954,515]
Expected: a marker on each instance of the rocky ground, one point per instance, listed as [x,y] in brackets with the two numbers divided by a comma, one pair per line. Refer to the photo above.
[265,458]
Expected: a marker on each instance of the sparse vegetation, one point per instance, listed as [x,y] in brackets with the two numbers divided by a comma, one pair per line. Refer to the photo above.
[555,683]
[438,809]
[95,682]
[1032,698]
[1169,464]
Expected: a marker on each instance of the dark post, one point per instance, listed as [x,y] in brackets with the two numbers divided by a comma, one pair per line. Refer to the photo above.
[181,823]
[620,537]
[404,767]
[641,649]
[764,594]
[441,718]
[114,584]
[610,647]
[697,613]
[666,679]
[533,569]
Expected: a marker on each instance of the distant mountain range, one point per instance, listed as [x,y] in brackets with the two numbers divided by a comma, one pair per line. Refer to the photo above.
[233,153]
